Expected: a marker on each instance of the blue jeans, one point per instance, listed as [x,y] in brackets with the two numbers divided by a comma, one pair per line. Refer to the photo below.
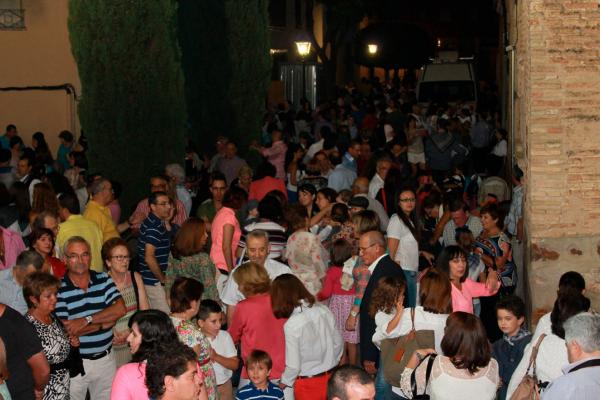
[411,284]
[382,388]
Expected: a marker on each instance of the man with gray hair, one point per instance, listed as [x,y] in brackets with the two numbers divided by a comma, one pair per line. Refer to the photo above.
[350,382]
[257,250]
[176,173]
[101,192]
[11,279]
[581,379]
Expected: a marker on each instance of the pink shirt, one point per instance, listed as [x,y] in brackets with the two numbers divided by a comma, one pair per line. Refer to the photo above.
[143,209]
[276,156]
[130,382]
[260,187]
[225,216]
[462,300]
[333,285]
[13,246]
[257,328]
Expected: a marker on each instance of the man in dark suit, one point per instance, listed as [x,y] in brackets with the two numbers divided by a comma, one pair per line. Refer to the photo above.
[372,250]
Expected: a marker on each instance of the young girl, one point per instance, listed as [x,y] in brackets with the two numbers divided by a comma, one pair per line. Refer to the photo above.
[341,299]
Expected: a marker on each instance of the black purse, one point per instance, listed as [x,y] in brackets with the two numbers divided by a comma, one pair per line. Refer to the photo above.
[74,362]
[413,379]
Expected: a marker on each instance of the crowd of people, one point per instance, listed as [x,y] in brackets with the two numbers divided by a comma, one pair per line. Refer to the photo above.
[366,249]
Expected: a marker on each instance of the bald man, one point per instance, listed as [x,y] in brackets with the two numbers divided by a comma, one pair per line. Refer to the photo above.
[360,187]
[372,250]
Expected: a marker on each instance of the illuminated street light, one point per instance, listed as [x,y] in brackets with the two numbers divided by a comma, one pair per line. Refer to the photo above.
[303,48]
[372,48]
[303,45]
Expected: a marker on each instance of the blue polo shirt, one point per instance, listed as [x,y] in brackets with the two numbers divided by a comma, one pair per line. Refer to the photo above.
[153,232]
[252,392]
[75,303]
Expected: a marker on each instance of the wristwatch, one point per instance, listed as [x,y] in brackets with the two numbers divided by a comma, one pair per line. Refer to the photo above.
[89,319]
[354,313]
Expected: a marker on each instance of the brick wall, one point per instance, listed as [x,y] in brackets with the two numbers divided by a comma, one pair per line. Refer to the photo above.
[558,139]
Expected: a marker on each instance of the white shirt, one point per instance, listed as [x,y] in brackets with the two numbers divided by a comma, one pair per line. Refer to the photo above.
[424,320]
[374,263]
[407,253]
[551,357]
[375,185]
[312,150]
[500,149]
[223,345]
[375,205]
[544,325]
[184,196]
[312,343]
[231,294]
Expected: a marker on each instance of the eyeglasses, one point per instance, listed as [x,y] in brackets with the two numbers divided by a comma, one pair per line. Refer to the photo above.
[363,249]
[411,200]
[121,258]
[165,204]
[74,257]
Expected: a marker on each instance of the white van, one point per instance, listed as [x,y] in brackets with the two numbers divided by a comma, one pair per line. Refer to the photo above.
[448,79]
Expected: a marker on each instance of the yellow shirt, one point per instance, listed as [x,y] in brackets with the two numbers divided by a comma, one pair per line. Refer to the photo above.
[101,216]
[77,225]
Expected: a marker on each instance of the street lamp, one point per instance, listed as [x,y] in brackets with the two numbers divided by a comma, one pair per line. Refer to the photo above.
[303,45]
[372,49]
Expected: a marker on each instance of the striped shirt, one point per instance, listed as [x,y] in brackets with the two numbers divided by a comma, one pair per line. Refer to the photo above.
[277,237]
[74,303]
[153,232]
[251,392]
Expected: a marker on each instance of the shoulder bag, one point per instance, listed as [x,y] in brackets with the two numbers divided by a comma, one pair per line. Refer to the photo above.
[529,388]
[396,352]
[413,379]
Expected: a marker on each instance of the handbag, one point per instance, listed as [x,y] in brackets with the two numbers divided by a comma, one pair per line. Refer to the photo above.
[413,379]
[396,352]
[74,362]
[529,388]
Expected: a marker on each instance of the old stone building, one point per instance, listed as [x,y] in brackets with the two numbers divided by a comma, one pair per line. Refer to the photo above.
[557,139]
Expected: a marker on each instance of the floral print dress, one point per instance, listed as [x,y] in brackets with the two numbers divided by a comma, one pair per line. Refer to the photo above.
[191,336]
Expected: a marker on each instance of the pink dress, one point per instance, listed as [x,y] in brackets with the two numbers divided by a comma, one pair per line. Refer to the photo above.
[340,302]
[462,300]
[225,216]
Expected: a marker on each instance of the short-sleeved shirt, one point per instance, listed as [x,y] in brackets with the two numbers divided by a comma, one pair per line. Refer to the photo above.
[225,216]
[223,345]
[11,293]
[231,294]
[153,232]
[75,303]
[21,342]
[101,215]
[252,392]
[407,253]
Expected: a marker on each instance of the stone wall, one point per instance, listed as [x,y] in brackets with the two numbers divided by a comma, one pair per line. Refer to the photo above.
[558,140]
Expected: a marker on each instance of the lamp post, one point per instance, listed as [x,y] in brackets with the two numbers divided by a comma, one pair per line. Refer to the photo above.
[303,46]
[372,49]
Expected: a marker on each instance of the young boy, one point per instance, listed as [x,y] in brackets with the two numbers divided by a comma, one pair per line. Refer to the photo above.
[508,351]
[223,351]
[258,365]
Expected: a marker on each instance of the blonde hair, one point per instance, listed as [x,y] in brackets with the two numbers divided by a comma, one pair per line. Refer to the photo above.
[252,279]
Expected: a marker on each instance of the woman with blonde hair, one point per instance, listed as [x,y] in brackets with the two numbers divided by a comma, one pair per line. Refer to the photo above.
[253,323]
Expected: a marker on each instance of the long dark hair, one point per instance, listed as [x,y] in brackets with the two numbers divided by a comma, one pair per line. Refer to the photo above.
[411,221]
[156,329]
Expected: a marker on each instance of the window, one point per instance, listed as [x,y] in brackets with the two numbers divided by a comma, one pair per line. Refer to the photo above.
[298,13]
[277,13]
[12,15]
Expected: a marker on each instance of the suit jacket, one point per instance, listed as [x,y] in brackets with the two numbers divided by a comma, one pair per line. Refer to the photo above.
[385,267]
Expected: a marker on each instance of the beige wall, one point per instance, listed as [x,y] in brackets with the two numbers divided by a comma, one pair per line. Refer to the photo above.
[40,55]
[558,141]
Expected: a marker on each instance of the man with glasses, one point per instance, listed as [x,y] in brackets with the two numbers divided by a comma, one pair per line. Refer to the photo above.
[158,183]
[11,279]
[154,244]
[97,209]
[89,304]
[208,208]
[372,250]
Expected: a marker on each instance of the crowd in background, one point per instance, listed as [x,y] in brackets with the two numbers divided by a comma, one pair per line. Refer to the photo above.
[371,247]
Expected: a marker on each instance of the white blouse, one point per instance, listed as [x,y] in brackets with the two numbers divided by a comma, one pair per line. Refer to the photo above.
[449,383]
[407,253]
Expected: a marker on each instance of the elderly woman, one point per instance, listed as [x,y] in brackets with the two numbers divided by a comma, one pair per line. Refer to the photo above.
[42,241]
[313,346]
[39,290]
[253,324]
[304,252]
[189,260]
[466,370]
[495,250]
[115,255]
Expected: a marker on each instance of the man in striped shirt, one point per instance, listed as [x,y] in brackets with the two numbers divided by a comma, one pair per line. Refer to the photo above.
[89,304]
[154,244]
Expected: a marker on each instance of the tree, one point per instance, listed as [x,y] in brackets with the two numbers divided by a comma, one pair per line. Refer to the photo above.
[132,107]
[225,50]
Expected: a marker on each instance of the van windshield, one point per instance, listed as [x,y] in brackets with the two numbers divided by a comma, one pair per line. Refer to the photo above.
[446,91]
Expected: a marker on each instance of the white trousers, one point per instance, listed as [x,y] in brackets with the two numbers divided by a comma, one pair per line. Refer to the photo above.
[98,379]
